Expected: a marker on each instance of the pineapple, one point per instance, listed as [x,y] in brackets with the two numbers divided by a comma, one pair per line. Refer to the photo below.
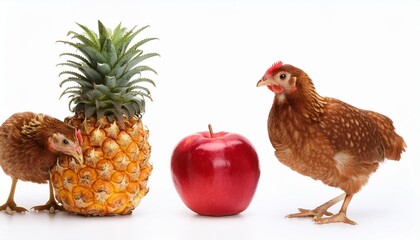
[108,102]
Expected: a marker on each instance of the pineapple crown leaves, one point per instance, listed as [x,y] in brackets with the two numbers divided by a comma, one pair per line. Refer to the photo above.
[107,70]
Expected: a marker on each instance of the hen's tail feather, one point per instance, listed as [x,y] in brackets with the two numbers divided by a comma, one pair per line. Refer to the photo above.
[398,148]
[393,143]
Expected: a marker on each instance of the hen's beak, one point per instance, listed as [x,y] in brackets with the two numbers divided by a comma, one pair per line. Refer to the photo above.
[271,84]
[264,82]
[78,155]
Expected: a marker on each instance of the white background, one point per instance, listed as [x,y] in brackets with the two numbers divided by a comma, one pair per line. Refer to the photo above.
[366,53]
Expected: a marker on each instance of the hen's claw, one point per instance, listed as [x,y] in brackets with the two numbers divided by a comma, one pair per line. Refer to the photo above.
[318,212]
[315,213]
[51,206]
[10,206]
[339,217]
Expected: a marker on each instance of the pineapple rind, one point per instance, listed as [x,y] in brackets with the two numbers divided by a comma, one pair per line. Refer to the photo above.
[114,178]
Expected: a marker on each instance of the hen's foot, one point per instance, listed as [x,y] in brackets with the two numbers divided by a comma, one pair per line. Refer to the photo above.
[51,206]
[10,206]
[319,211]
[339,217]
[315,213]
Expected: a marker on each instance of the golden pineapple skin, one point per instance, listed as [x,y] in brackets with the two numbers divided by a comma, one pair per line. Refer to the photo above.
[114,177]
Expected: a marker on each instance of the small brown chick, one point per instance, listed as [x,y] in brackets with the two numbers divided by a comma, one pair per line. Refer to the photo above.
[325,138]
[29,146]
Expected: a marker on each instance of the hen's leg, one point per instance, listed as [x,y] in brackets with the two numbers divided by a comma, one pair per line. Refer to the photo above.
[10,204]
[340,216]
[51,205]
[319,211]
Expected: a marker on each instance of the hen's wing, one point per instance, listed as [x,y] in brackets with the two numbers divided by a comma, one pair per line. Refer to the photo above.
[393,143]
[22,155]
[12,129]
[351,131]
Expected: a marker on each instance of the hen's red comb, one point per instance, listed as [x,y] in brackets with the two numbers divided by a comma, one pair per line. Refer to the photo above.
[273,68]
[78,136]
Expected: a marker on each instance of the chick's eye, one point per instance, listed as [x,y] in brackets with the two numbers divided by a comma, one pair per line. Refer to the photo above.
[282,76]
[65,141]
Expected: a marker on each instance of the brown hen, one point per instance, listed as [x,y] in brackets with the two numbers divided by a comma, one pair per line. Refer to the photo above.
[325,138]
[29,146]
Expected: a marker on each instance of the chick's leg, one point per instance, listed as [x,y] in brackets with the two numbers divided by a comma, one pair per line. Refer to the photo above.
[340,216]
[51,205]
[10,204]
[319,211]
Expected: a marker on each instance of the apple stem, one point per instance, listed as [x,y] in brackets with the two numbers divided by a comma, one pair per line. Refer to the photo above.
[211,131]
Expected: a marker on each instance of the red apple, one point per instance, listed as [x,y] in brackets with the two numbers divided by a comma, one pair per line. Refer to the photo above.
[215,174]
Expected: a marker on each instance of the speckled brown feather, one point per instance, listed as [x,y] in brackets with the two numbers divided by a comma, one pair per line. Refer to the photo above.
[24,153]
[327,139]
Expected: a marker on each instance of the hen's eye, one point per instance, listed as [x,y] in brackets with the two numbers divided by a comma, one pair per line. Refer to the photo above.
[65,141]
[282,76]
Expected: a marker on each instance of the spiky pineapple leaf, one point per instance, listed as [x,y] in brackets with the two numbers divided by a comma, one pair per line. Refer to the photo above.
[142,91]
[70,64]
[91,34]
[103,35]
[122,43]
[89,110]
[92,95]
[91,73]
[118,71]
[73,93]
[141,42]
[76,90]
[140,104]
[81,58]
[118,33]
[130,109]
[136,70]
[140,80]
[92,54]
[104,68]
[121,66]
[77,75]
[142,94]
[107,67]
[109,52]
[110,81]
[83,39]
[73,100]
[103,89]
[139,58]
[81,82]
[100,111]
[75,45]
